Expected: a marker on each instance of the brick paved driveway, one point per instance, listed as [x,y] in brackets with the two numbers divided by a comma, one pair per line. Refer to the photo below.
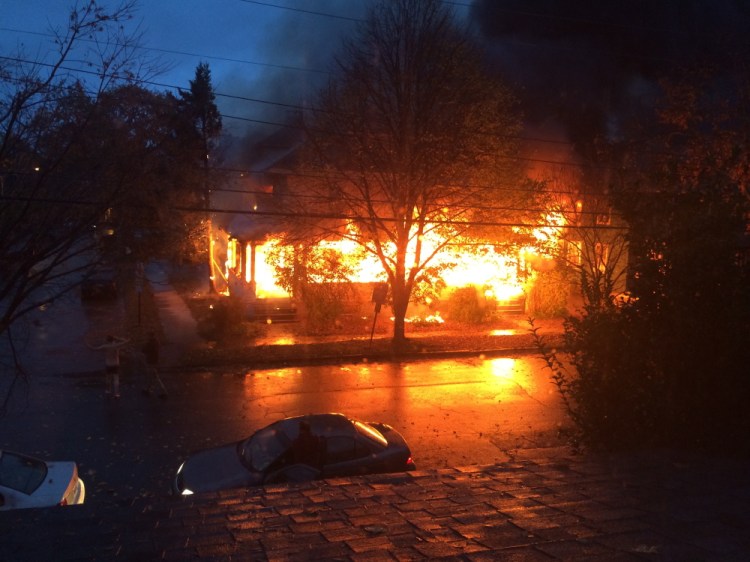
[637,507]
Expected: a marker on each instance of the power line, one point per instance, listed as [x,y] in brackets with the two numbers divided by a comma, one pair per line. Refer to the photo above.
[252,100]
[300,10]
[357,218]
[297,127]
[149,83]
[356,200]
[318,216]
[335,16]
[525,13]
[242,61]
[185,53]
[293,174]
[537,15]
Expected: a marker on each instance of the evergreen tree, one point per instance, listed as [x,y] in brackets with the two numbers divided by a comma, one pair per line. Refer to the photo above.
[200,105]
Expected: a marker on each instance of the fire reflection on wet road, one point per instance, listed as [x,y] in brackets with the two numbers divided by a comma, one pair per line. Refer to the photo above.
[460,411]
[451,412]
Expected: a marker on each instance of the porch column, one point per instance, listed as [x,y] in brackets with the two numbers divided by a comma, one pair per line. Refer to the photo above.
[252,269]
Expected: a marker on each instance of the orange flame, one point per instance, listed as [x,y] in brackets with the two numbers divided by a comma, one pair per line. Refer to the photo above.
[500,276]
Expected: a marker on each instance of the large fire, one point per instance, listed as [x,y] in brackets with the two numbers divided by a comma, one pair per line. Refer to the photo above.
[500,277]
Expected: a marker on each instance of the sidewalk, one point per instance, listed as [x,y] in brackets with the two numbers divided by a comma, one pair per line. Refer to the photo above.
[178,324]
[52,340]
[628,507]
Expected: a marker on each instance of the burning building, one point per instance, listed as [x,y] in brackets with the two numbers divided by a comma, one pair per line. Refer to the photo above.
[253,217]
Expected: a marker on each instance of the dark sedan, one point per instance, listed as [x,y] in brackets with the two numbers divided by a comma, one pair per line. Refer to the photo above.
[294,450]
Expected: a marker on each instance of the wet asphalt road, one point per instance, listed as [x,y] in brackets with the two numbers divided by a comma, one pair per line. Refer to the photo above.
[452,413]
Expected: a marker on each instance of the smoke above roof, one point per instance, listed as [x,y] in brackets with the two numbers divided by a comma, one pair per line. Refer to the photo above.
[299,48]
[589,63]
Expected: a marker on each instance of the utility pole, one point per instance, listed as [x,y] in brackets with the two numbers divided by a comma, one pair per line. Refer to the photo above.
[207,203]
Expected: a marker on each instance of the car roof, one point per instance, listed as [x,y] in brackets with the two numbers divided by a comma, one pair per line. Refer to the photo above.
[321,424]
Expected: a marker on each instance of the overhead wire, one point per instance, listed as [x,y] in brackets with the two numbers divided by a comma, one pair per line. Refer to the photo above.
[320,216]
[538,15]
[526,13]
[186,53]
[296,174]
[301,10]
[301,108]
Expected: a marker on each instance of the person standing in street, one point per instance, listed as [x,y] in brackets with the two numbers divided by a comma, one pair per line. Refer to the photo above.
[111,349]
[150,351]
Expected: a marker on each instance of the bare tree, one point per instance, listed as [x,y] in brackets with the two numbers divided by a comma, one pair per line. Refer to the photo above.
[53,189]
[591,240]
[411,146]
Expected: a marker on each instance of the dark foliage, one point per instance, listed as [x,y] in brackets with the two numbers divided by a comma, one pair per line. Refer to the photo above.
[668,368]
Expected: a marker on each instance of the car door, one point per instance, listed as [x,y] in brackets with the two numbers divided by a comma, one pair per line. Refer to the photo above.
[293,473]
[345,456]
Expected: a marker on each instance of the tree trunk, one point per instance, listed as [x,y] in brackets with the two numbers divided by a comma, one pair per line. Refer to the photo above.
[400,301]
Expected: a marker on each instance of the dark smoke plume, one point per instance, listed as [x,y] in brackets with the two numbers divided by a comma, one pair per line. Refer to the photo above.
[589,64]
[301,47]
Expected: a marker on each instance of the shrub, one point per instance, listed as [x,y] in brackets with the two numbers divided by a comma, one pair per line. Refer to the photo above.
[668,376]
[223,320]
[465,306]
[324,304]
[548,295]
[612,396]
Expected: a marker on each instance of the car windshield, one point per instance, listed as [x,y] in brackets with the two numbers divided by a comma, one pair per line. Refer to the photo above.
[21,473]
[371,433]
[264,447]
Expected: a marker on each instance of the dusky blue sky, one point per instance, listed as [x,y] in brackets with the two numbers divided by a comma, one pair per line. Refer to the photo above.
[275,51]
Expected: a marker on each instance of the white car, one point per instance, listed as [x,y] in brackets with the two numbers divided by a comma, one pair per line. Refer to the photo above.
[30,482]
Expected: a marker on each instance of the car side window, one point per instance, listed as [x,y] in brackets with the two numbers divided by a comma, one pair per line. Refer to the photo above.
[263,448]
[342,449]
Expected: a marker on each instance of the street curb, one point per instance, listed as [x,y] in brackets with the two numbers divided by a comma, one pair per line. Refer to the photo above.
[303,361]
[355,359]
